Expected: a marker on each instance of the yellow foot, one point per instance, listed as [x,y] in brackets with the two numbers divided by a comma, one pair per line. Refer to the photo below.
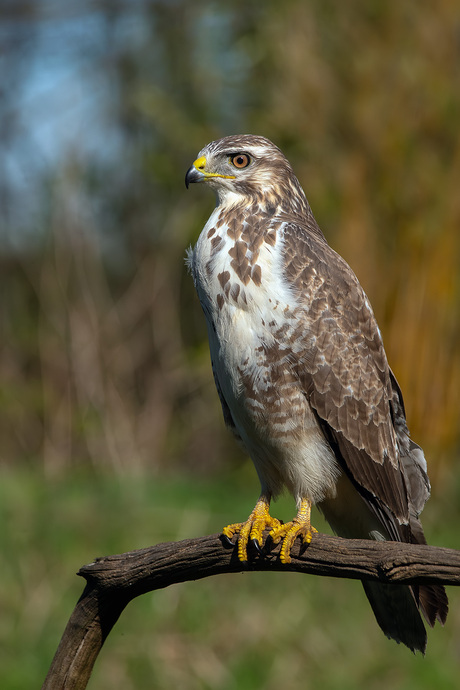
[253,528]
[299,527]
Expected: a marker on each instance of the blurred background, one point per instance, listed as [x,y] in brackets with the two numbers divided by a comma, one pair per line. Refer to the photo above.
[111,435]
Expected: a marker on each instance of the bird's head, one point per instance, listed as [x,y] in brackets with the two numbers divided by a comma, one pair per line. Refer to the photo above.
[242,166]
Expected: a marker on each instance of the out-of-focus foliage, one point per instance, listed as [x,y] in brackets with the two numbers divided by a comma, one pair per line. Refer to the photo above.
[251,631]
[103,354]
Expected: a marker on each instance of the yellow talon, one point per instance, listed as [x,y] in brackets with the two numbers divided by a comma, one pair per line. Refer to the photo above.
[259,520]
[299,527]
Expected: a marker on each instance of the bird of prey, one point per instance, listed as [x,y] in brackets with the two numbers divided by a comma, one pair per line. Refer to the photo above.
[302,374]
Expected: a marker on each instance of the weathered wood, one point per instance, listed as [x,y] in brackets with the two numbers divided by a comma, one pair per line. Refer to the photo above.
[113,581]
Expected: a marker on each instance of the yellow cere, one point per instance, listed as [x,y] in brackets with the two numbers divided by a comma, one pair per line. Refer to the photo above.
[200,163]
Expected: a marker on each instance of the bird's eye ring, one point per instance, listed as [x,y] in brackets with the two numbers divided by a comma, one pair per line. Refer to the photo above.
[240,160]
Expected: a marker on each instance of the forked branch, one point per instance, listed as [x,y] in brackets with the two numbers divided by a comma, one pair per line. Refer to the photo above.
[113,581]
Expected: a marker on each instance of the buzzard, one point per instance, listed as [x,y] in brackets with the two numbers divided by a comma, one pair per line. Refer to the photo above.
[302,374]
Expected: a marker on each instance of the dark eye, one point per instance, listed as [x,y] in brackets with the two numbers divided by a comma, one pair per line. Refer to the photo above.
[241,160]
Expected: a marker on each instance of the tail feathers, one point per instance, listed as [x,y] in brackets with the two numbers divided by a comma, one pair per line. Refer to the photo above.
[433,603]
[431,599]
[396,608]
[397,614]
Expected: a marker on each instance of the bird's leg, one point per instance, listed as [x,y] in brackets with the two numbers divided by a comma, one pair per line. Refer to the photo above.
[299,527]
[253,528]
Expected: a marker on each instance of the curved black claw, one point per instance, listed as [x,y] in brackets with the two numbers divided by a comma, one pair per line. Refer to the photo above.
[256,545]
[269,545]
[226,541]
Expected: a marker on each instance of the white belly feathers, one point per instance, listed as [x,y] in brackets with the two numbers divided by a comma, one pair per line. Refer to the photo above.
[250,314]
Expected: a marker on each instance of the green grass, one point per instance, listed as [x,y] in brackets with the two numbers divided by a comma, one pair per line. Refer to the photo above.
[245,632]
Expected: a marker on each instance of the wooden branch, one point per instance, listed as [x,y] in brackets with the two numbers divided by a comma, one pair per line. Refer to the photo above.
[113,581]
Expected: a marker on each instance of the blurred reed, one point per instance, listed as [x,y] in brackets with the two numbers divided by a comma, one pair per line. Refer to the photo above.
[104,356]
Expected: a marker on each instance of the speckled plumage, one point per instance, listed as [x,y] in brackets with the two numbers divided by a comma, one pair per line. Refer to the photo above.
[300,366]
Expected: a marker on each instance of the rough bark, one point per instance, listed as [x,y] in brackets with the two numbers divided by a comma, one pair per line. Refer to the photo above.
[113,581]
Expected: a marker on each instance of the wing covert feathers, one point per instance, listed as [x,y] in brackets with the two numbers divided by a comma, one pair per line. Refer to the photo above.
[359,406]
[344,370]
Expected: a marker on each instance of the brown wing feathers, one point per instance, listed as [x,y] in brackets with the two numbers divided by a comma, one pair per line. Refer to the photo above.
[344,369]
[359,405]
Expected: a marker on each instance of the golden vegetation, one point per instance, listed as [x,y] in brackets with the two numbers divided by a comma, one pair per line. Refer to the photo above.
[104,356]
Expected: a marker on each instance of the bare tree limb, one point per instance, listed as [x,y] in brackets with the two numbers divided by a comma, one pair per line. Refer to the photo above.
[113,581]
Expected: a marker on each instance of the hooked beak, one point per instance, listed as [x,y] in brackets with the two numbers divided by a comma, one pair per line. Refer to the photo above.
[193,175]
[196,171]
